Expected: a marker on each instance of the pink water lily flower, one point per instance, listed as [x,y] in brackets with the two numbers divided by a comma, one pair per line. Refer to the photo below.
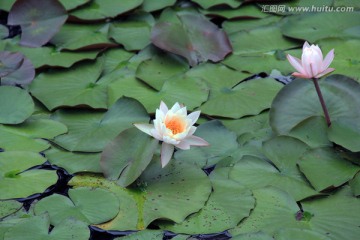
[312,64]
[175,128]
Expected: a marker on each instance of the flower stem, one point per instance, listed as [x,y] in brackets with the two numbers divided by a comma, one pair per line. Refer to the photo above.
[322,102]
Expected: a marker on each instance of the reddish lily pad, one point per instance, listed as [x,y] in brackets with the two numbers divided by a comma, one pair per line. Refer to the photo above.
[38,26]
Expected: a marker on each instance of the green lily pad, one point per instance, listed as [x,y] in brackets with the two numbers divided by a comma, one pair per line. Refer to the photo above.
[72,4]
[9,207]
[211,3]
[49,56]
[115,58]
[16,105]
[191,92]
[74,162]
[83,205]
[217,76]
[74,87]
[132,35]
[145,234]
[6,5]
[91,131]
[260,40]
[150,6]
[247,124]
[194,37]
[15,182]
[82,37]
[315,26]
[248,24]
[297,7]
[102,9]
[347,3]
[299,234]
[228,204]
[274,210]
[37,28]
[246,11]
[222,144]
[252,236]
[171,193]
[124,161]
[355,185]
[159,68]
[299,101]
[248,98]
[336,216]
[30,135]
[37,228]
[324,168]
[4,32]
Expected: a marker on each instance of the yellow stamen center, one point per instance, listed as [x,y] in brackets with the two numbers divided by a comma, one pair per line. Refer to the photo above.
[175,124]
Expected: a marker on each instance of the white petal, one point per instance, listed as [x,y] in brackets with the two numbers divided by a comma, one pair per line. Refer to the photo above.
[328,59]
[194,116]
[159,115]
[167,151]
[170,140]
[163,107]
[196,141]
[295,62]
[156,134]
[325,72]
[175,108]
[191,131]
[318,51]
[145,127]
[306,45]
[183,145]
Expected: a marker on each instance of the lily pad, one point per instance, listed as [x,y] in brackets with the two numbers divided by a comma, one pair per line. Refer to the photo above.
[222,144]
[315,26]
[4,32]
[91,131]
[248,24]
[159,68]
[191,92]
[72,4]
[37,26]
[299,234]
[274,210]
[252,236]
[150,6]
[145,234]
[171,193]
[36,228]
[30,135]
[74,162]
[211,3]
[123,161]
[15,68]
[355,185]
[196,39]
[248,98]
[299,101]
[246,11]
[82,37]
[74,87]
[228,204]
[247,124]
[82,205]
[132,35]
[16,182]
[16,105]
[324,168]
[102,9]
[9,207]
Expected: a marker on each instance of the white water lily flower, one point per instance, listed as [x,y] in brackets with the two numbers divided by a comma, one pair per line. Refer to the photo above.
[175,128]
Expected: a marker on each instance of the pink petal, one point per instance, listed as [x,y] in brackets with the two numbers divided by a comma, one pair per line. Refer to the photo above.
[194,116]
[195,141]
[167,151]
[328,59]
[300,75]
[183,145]
[325,72]
[145,127]
[295,62]
[306,45]
[163,107]
[319,52]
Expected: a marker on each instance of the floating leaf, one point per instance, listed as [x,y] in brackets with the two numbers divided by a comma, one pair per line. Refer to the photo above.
[145,234]
[315,26]
[355,185]
[150,6]
[299,101]
[123,161]
[15,68]
[248,24]
[92,131]
[30,135]
[222,144]
[211,3]
[74,162]
[15,183]
[299,234]
[72,4]
[16,105]
[248,98]
[9,207]
[37,26]
[246,11]
[252,236]
[172,192]
[132,35]
[196,39]
[324,168]
[102,9]
[4,32]
[35,228]
[83,205]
